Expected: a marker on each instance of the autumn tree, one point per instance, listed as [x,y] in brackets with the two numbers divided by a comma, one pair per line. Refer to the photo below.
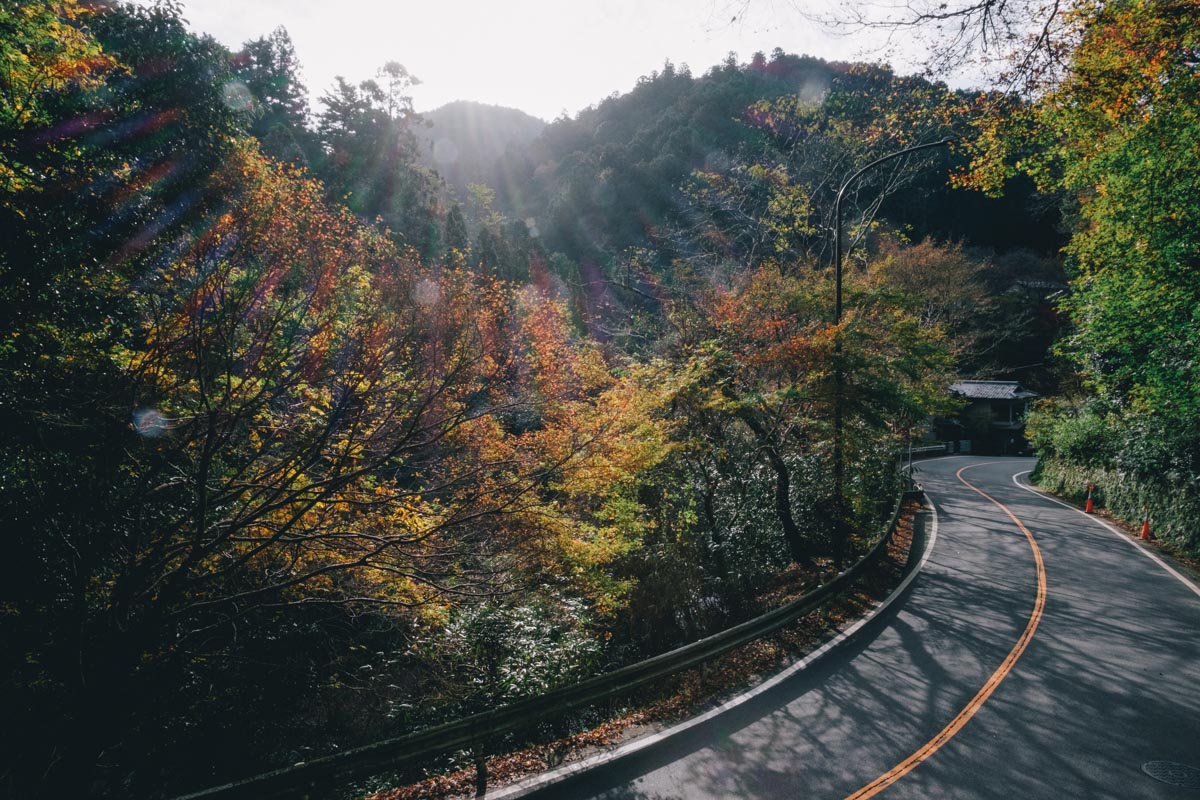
[1126,122]
[243,422]
[1020,44]
[753,212]
[1099,111]
[993,308]
[1117,136]
[767,349]
[1111,136]
[314,420]
[47,56]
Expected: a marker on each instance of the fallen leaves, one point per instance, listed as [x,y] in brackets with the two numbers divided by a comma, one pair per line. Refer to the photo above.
[694,691]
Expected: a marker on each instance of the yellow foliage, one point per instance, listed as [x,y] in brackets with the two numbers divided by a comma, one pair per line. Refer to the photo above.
[43,51]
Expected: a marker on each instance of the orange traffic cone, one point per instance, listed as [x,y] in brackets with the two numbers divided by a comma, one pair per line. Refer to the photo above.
[1146,524]
[1087,509]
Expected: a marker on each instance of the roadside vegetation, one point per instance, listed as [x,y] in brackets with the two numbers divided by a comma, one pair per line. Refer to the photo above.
[1126,132]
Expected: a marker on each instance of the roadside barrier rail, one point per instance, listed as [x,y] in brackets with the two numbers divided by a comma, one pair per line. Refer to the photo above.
[931,450]
[309,777]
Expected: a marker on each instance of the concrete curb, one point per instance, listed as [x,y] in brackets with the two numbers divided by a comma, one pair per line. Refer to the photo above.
[527,786]
[1113,530]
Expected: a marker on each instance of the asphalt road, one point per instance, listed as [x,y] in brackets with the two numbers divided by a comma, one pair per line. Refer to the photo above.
[975,684]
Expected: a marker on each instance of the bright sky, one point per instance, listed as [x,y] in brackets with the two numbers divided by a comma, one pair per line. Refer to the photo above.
[542,56]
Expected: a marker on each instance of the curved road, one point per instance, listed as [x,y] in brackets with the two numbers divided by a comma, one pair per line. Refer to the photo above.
[976,683]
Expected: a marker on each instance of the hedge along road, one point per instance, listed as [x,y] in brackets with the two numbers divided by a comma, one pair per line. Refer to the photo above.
[1036,655]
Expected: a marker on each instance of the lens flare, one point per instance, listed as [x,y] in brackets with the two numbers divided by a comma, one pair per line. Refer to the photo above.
[150,422]
[237,97]
[426,293]
[445,152]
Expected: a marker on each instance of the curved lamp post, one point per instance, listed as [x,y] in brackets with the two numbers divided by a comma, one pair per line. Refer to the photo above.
[839,377]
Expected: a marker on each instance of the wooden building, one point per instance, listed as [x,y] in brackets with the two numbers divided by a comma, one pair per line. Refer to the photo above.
[993,420]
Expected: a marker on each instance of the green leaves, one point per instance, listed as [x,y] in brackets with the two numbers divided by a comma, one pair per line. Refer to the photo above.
[1119,137]
[1129,120]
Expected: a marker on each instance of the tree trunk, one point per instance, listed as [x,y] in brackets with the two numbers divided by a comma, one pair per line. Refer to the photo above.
[797,547]
[733,596]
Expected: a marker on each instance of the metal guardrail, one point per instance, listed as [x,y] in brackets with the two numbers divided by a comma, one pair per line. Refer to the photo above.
[392,754]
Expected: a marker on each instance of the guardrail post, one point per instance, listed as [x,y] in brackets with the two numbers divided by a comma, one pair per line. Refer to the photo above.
[479,752]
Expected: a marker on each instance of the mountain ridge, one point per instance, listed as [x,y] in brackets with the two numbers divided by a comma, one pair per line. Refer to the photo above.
[464,139]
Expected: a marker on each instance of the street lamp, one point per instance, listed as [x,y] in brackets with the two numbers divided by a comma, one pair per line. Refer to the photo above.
[838,376]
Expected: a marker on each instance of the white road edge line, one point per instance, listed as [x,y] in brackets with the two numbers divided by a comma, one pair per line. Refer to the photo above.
[1111,529]
[529,785]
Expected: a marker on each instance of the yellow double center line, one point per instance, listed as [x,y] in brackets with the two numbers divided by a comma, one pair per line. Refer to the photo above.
[947,733]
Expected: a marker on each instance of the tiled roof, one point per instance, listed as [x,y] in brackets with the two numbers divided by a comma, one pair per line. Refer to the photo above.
[991,390]
[1027,283]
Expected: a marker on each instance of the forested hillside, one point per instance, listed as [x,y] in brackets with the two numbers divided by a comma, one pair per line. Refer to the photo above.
[464,142]
[311,440]
[630,170]
[685,180]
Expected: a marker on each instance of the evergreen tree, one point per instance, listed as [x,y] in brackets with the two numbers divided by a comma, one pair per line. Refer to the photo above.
[456,237]
[270,70]
[370,161]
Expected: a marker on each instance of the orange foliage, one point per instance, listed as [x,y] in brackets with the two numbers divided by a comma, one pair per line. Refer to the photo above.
[357,426]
